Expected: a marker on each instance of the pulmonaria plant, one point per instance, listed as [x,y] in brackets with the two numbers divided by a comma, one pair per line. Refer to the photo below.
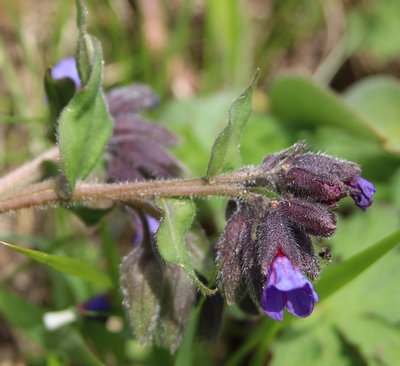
[265,256]
[265,253]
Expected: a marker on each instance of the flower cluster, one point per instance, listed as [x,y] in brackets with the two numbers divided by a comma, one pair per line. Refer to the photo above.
[137,148]
[266,250]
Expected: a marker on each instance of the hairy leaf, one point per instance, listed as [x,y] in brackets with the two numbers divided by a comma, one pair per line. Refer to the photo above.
[142,287]
[177,300]
[225,154]
[158,298]
[84,125]
[177,219]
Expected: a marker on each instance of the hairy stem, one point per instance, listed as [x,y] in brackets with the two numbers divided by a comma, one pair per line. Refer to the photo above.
[45,193]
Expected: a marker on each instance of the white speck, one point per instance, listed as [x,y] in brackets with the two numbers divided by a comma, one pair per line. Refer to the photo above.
[56,319]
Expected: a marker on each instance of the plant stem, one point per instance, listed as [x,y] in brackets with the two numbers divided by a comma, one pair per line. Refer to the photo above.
[47,192]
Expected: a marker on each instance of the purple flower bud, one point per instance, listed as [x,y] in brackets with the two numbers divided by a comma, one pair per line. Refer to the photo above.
[152,223]
[230,251]
[131,125]
[99,303]
[287,287]
[320,187]
[284,156]
[324,164]
[362,192]
[315,219]
[132,98]
[66,68]
[275,235]
[309,263]
[96,308]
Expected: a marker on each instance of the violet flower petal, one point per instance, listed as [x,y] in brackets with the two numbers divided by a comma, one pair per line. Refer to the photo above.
[66,68]
[152,223]
[365,191]
[96,308]
[273,302]
[98,303]
[299,303]
[287,286]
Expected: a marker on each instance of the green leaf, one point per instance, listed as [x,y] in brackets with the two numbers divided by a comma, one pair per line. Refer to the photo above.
[201,252]
[158,298]
[84,125]
[178,297]
[177,219]
[376,99]
[225,154]
[301,103]
[66,265]
[142,287]
[336,277]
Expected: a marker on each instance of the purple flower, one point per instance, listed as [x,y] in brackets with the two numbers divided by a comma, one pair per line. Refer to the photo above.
[66,68]
[96,308]
[287,286]
[363,192]
[99,303]
[152,223]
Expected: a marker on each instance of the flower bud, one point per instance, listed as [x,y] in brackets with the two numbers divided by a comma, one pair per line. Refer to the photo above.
[313,218]
[343,170]
[273,236]
[319,187]
[158,298]
[251,270]
[284,156]
[66,68]
[132,125]
[131,99]
[362,192]
[309,263]
[139,154]
[237,232]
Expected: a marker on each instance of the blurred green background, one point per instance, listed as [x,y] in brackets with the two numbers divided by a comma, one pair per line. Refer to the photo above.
[328,74]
